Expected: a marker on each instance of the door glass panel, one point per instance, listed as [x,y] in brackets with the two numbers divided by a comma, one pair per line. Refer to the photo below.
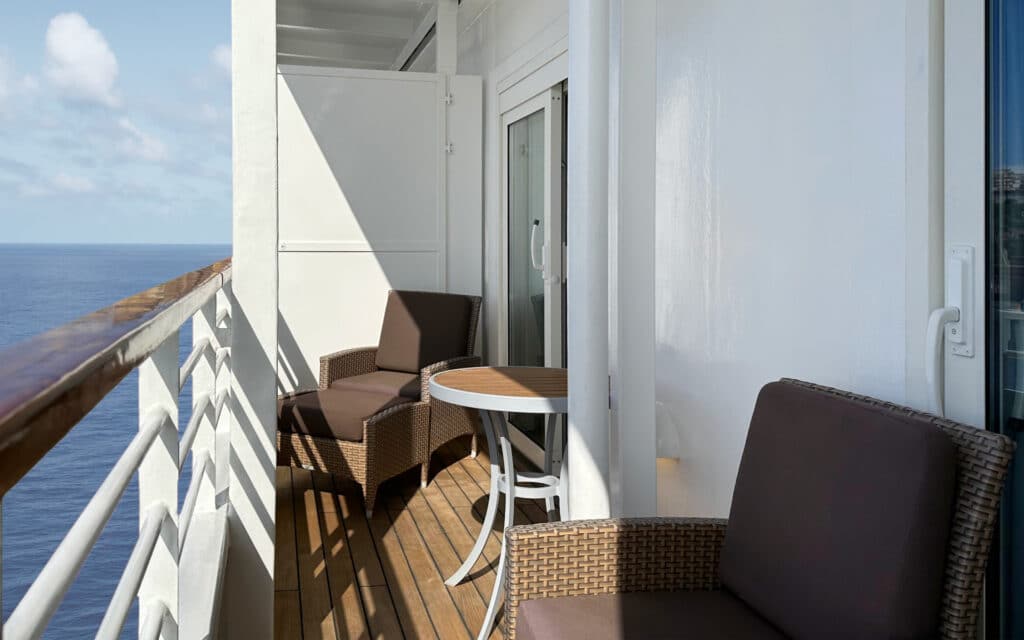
[525,238]
[1005,273]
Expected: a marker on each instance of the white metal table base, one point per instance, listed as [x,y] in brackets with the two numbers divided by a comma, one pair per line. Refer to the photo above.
[523,485]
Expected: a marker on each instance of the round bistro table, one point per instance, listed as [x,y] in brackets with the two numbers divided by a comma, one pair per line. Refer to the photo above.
[495,391]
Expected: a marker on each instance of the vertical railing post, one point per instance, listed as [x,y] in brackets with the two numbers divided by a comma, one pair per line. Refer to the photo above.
[225,300]
[158,478]
[204,382]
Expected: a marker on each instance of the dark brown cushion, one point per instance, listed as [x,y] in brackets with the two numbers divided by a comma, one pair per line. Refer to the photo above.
[421,328]
[393,383]
[331,413]
[696,615]
[840,518]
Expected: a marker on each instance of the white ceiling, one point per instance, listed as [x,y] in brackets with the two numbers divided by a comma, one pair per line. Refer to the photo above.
[363,34]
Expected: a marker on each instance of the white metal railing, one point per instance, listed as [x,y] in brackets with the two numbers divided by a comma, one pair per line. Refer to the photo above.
[163,563]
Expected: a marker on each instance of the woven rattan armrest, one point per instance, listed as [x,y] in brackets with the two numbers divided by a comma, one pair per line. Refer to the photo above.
[445,365]
[613,556]
[591,557]
[347,363]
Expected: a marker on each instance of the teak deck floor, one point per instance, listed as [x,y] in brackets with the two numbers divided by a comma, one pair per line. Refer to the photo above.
[340,576]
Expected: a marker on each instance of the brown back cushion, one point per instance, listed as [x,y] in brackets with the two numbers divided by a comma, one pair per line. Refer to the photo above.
[422,328]
[840,518]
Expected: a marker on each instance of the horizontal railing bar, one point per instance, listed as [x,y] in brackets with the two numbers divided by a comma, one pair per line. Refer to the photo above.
[131,578]
[222,315]
[192,496]
[223,354]
[152,621]
[54,379]
[30,617]
[198,350]
[202,404]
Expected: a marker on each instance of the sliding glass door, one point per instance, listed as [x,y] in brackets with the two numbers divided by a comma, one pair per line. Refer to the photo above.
[1005,251]
[535,248]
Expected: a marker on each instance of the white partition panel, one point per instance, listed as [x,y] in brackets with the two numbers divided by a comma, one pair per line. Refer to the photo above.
[361,204]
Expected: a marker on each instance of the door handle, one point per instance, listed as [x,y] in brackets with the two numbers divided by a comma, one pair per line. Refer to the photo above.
[537,263]
[937,322]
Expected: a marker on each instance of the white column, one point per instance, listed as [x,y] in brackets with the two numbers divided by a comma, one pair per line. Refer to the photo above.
[249,581]
[633,115]
[158,478]
[588,437]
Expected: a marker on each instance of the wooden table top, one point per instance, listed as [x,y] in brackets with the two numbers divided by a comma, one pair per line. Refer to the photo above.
[513,382]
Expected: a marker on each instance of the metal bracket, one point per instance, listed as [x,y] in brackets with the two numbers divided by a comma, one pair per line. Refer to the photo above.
[448,98]
[449,148]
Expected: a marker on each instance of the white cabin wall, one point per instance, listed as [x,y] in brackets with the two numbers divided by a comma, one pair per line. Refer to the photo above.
[780,208]
[781,241]
[361,209]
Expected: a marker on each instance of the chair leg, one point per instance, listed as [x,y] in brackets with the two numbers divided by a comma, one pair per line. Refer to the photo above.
[424,474]
[369,496]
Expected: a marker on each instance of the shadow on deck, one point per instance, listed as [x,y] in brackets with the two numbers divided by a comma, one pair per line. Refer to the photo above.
[340,576]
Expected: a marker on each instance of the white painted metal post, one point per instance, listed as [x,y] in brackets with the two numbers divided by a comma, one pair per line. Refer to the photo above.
[587,454]
[158,478]
[446,64]
[204,383]
[248,608]
[632,159]
[225,304]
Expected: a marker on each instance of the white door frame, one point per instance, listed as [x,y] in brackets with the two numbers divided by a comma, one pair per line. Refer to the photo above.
[548,100]
[965,189]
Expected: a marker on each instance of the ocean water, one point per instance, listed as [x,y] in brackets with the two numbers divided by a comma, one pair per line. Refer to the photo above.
[41,287]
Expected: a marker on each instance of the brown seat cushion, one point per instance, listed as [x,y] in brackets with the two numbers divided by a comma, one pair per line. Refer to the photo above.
[331,413]
[422,328]
[695,615]
[840,517]
[393,383]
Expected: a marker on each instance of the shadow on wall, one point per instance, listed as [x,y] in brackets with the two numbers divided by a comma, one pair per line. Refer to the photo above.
[293,371]
[358,209]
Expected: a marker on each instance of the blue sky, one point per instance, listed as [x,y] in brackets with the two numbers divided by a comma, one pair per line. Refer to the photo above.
[115,121]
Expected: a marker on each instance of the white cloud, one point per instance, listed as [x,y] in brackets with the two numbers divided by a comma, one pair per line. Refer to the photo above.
[79,61]
[221,57]
[139,144]
[73,184]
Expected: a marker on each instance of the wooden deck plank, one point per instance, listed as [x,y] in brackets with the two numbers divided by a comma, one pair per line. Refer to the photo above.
[384,578]
[361,541]
[287,615]
[345,592]
[462,528]
[469,601]
[412,613]
[315,598]
[286,573]
[381,612]
[441,607]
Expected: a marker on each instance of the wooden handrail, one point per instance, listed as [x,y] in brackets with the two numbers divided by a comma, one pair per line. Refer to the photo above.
[51,381]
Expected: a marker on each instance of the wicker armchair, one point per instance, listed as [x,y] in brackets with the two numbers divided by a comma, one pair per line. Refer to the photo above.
[662,555]
[406,425]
